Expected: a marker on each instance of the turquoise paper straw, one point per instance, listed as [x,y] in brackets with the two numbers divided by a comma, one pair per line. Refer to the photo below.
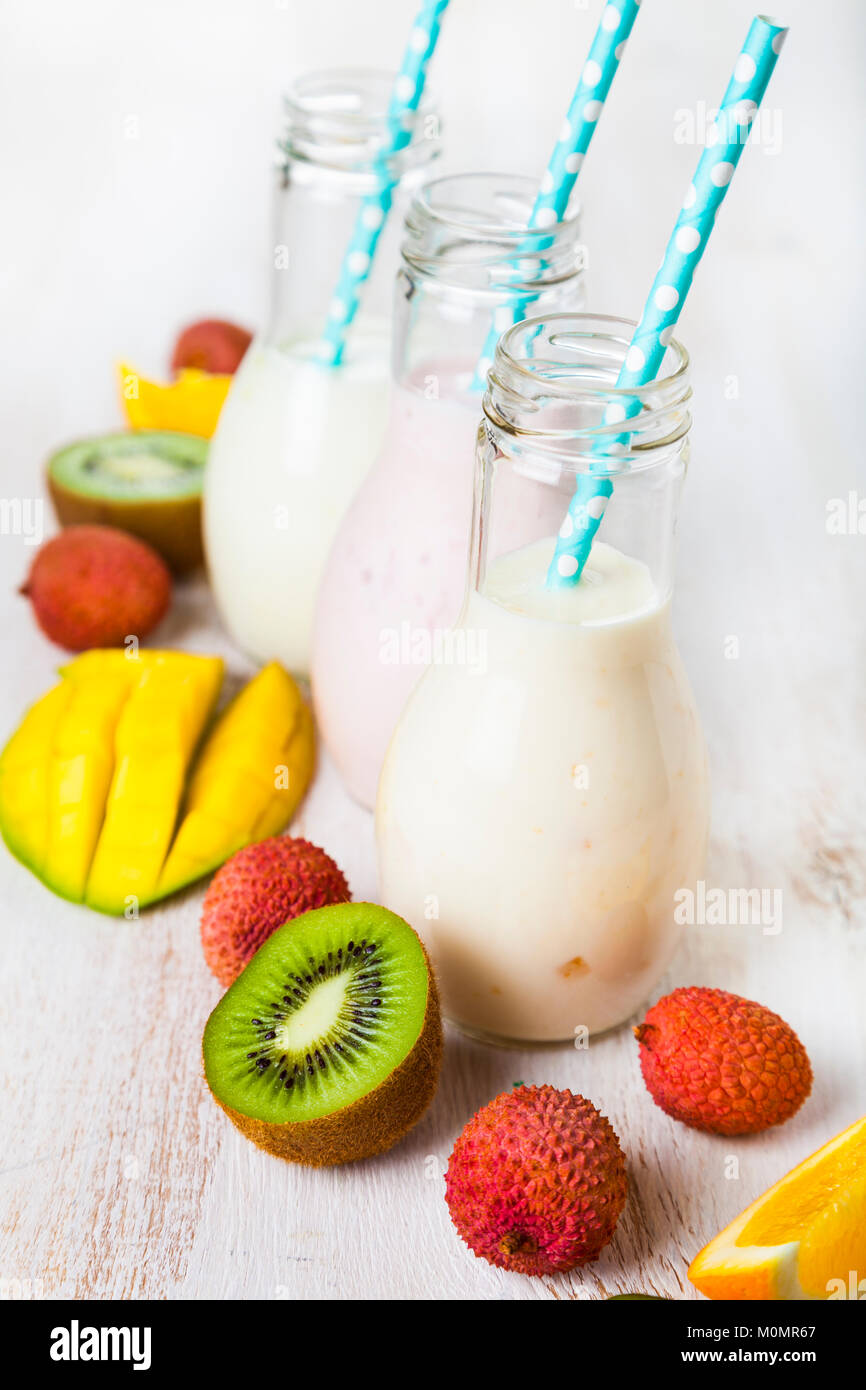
[747,86]
[577,131]
[374,209]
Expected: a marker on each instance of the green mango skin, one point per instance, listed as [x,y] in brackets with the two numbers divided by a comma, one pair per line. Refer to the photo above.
[635,1298]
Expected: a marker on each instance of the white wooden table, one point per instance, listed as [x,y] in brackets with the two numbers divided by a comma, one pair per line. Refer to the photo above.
[121,1178]
[118,1175]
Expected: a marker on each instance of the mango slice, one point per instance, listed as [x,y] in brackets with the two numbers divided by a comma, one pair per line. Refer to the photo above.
[249,778]
[157,734]
[191,404]
[101,793]
[24,780]
[80,769]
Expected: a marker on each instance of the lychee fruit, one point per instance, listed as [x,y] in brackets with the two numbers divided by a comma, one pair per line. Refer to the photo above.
[259,889]
[94,586]
[722,1063]
[536,1181]
[211,345]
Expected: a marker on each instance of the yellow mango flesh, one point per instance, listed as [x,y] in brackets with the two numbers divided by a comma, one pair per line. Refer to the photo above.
[249,778]
[191,404]
[96,795]
[156,736]
[80,771]
[24,779]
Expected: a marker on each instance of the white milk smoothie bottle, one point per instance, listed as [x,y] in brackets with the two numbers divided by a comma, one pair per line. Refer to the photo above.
[545,793]
[296,437]
[395,576]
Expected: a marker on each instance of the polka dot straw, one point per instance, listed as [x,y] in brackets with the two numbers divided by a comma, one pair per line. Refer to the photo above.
[374,209]
[567,159]
[725,142]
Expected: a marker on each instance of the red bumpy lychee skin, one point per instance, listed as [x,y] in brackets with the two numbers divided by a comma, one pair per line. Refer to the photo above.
[721,1063]
[259,889]
[211,345]
[94,586]
[536,1181]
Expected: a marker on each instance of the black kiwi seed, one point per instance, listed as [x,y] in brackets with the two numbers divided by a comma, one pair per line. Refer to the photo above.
[363,966]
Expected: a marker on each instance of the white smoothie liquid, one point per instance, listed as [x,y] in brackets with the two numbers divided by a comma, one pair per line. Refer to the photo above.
[294,441]
[396,575]
[540,805]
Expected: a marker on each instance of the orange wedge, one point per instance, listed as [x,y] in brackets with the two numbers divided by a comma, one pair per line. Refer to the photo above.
[805,1238]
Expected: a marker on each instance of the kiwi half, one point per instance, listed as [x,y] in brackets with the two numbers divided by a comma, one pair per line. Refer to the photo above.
[147,482]
[327,1047]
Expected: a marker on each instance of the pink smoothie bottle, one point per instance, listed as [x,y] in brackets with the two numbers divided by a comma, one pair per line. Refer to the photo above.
[395,576]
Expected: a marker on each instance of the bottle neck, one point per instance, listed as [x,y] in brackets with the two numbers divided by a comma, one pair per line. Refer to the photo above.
[471,262]
[555,418]
[336,151]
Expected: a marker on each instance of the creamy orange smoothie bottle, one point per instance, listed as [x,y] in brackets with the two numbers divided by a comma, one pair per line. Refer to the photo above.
[545,792]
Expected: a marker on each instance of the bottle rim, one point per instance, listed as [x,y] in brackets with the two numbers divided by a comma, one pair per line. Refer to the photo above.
[472,230]
[339,118]
[554,376]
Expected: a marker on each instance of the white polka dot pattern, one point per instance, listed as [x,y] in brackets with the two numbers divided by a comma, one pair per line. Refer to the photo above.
[575,135]
[643,359]
[374,209]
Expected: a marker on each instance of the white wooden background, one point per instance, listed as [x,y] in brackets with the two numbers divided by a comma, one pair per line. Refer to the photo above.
[118,1176]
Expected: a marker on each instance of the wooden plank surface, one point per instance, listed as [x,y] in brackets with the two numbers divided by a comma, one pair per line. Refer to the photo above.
[120,1178]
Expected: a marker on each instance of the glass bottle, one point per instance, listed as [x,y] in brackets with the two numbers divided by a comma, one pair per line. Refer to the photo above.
[545,793]
[295,437]
[395,576]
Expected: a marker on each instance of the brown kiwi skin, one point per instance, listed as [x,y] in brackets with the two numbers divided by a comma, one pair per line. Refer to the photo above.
[172,526]
[369,1125]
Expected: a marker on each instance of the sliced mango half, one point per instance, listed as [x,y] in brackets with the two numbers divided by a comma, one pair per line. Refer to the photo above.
[108,794]
[805,1238]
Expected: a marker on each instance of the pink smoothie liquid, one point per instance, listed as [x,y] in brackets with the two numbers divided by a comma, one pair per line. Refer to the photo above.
[395,578]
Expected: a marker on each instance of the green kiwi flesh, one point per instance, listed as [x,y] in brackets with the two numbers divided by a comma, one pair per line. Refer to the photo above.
[327,1047]
[147,482]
